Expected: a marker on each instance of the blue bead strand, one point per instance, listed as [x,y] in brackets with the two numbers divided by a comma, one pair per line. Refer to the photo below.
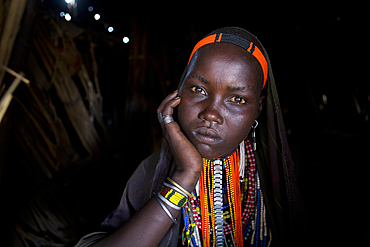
[185,217]
[258,217]
[247,228]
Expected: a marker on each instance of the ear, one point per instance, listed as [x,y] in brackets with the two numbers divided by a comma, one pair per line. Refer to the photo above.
[260,106]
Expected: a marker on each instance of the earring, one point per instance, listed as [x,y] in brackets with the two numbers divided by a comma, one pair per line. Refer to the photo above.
[241,159]
[254,141]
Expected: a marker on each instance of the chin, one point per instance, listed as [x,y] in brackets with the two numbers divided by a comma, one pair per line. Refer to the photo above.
[208,152]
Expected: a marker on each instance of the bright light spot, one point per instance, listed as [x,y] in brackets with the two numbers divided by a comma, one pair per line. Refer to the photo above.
[69,1]
[62,14]
[68,17]
[110,29]
[96,16]
[126,40]
[90,8]
[324,99]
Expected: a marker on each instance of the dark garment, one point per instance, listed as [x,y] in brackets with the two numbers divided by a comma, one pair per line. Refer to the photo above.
[147,178]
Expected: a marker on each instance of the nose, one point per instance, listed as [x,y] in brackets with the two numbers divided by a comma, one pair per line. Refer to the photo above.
[211,112]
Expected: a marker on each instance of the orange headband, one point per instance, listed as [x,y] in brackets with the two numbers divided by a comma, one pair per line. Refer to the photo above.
[239,41]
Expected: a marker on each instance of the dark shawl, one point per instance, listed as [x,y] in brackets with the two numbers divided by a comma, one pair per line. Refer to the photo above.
[286,216]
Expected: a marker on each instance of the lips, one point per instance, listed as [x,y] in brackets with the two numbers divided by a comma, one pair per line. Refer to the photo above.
[207,135]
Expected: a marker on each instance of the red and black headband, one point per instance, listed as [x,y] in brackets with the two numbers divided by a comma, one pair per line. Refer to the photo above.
[239,41]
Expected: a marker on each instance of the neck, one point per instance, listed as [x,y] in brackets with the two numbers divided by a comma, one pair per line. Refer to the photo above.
[224,157]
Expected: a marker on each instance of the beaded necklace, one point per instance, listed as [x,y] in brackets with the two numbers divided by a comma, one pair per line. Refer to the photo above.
[242,221]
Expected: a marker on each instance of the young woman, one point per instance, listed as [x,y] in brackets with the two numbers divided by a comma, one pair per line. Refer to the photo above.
[224,175]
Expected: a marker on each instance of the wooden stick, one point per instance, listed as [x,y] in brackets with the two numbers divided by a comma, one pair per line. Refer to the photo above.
[15,74]
[8,96]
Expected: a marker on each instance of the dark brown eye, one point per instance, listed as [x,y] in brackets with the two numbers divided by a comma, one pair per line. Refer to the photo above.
[198,90]
[238,100]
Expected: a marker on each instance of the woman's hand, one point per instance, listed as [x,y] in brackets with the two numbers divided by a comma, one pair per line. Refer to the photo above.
[187,158]
[148,226]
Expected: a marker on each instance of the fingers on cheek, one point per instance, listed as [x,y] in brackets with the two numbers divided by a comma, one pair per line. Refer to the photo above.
[169,98]
[168,110]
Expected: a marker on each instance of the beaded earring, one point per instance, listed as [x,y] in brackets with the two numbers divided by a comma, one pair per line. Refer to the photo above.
[241,159]
[254,141]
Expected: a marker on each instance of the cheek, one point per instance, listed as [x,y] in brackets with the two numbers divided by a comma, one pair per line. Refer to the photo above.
[238,130]
[238,126]
[186,113]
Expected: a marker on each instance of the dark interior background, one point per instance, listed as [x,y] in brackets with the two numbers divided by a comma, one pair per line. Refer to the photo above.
[319,57]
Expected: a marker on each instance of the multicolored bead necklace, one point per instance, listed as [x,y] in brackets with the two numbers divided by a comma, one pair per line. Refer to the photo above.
[221,183]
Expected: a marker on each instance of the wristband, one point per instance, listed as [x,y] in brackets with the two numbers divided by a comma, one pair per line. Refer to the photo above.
[174,196]
[178,186]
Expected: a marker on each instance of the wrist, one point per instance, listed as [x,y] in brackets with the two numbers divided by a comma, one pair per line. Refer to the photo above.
[186,179]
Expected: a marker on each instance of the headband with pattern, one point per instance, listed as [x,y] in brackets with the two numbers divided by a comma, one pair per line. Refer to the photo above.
[239,41]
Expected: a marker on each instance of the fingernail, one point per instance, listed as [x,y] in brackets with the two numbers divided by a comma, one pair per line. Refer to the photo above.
[178,97]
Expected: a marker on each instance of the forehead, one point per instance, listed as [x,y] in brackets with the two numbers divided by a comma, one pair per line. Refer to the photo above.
[226,62]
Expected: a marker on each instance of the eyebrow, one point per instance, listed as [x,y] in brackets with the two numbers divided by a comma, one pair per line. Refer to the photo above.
[236,88]
[204,80]
[240,88]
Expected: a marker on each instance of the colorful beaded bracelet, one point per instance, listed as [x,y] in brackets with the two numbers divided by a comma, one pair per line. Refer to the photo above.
[178,186]
[175,197]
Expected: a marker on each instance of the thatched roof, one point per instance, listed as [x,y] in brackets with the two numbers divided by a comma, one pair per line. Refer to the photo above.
[51,129]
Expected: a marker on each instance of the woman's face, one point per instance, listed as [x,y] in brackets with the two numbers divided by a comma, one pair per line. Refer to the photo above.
[220,98]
